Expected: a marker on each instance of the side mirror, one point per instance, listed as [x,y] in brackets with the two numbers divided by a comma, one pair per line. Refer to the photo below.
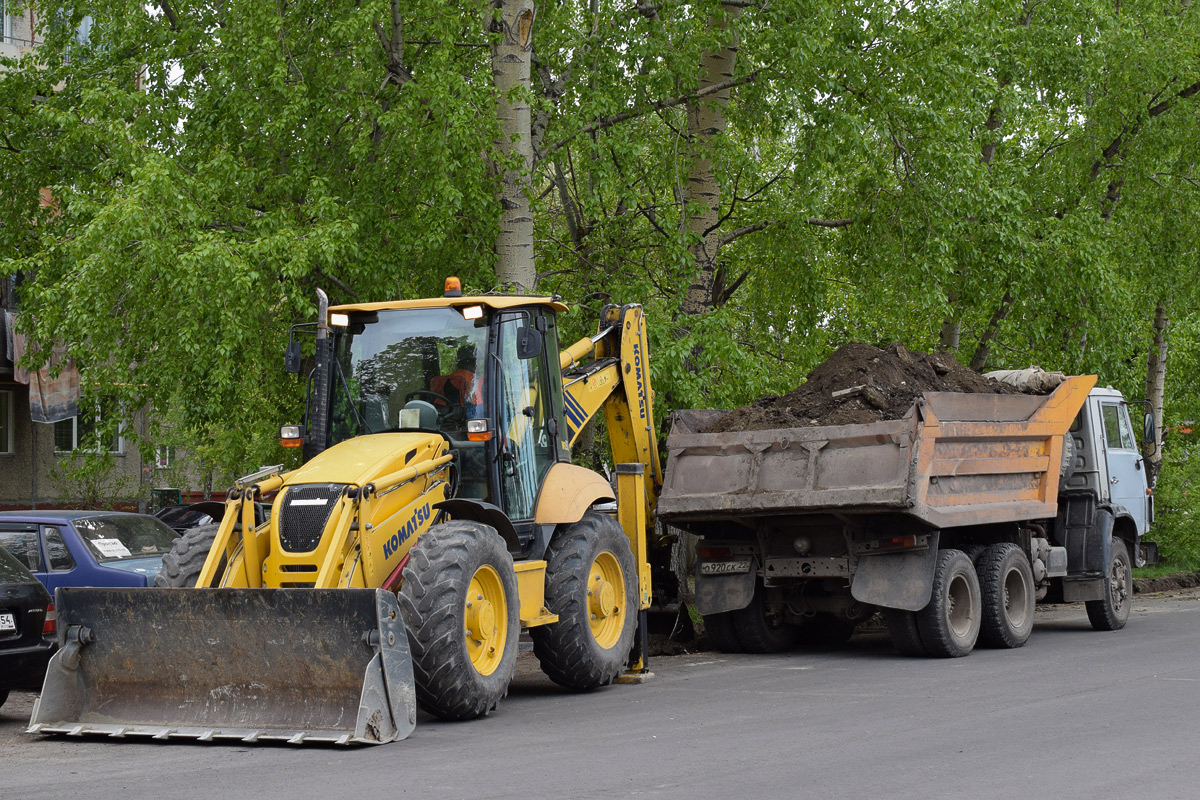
[1148,428]
[529,343]
[293,357]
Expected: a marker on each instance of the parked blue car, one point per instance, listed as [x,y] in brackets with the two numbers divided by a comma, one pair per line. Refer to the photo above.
[87,548]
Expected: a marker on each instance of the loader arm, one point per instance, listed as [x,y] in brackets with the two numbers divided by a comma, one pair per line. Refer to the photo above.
[614,376]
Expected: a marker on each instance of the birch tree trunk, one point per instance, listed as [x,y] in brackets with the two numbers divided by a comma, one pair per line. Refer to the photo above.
[706,122]
[510,70]
[1156,379]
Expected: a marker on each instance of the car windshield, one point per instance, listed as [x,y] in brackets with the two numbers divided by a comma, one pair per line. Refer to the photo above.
[388,359]
[118,538]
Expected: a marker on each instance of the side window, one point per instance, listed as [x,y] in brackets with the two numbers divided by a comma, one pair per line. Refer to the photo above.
[523,414]
[1128,442]
[1112,426]
[56,550]
[25,546]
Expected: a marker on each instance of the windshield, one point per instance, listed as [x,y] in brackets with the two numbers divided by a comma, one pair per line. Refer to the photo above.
[386,360]
[120,538]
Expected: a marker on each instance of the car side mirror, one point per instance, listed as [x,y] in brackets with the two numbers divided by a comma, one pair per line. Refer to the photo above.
[529,343]
[292,358]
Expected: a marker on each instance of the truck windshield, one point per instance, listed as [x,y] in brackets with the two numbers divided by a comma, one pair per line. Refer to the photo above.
[387,360]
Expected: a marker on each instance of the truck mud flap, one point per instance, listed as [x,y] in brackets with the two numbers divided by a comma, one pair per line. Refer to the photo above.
[725,592]
[298,665]
[896,580]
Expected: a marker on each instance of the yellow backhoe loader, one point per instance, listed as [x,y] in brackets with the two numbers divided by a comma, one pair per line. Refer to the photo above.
[435,516]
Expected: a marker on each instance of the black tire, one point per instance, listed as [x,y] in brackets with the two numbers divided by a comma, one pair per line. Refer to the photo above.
[721,633]
[761,629]
[589,645]
[458,675]
[1007,596]
[949,625]
[826,630]
[181,566]
[3,696]
[1111,613]
[902,629]
[973,551]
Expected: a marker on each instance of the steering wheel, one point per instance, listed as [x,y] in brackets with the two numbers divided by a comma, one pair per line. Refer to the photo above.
[428,393]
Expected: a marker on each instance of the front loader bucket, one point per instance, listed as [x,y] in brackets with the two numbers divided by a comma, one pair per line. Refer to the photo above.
[299,665]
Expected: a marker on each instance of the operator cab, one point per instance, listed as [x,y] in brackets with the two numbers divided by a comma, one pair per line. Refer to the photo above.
[481,371]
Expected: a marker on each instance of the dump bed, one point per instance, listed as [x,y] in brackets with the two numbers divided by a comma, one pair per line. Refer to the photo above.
[955,459]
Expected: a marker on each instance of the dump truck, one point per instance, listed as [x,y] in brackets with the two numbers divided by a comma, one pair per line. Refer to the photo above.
[953,520]
[436,514]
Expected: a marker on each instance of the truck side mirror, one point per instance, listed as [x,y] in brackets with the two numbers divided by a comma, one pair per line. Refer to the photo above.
[1148,428]
[529,343]
[291,359]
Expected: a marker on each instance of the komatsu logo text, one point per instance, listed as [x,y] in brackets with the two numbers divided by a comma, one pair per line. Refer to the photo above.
[401,536]
[637,374]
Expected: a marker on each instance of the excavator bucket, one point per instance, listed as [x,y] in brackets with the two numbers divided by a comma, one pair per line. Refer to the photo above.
[298,665]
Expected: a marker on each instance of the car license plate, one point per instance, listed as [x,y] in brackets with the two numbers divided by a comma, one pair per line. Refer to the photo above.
[724,567]
[7,622]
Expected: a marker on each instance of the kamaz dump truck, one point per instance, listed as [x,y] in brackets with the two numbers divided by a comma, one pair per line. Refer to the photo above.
[435,516]
[953,520]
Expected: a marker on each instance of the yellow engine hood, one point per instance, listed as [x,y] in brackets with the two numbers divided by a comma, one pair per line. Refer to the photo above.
[360,460]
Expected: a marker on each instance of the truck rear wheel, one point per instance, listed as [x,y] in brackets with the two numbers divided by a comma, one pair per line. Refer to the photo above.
[460,607]
[181,565]
[761,629]
[1111,613]
[1006,589]
[591,583]
[721,632]
[902,630]
[949,625]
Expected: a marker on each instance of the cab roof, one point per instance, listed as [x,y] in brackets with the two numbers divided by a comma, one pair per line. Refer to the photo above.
[496,302]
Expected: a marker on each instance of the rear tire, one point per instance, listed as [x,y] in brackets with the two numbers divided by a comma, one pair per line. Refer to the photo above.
[826,630]
[460,606]
[1111,613]
[902,629]
[591,583]
[761,629]
[3,696]
[949,625]
[1007,593]
[182,564]
[721,632]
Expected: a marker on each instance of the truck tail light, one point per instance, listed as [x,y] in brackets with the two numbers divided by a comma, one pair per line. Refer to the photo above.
[708,551]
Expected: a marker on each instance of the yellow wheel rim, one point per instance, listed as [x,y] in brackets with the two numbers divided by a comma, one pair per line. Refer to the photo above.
[606,599]
[485,620]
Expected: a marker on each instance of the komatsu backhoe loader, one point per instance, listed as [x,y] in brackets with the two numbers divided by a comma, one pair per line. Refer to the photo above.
[435,516]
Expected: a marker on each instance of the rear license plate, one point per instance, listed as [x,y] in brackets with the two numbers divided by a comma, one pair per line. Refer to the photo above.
[724,567]
[7,622]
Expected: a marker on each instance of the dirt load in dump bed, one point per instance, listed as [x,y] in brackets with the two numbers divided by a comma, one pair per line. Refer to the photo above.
[859,384]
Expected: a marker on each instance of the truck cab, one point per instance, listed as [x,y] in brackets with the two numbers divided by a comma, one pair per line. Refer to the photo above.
[1108,466]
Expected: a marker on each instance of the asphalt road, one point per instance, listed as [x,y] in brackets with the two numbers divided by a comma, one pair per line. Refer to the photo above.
[1073,714]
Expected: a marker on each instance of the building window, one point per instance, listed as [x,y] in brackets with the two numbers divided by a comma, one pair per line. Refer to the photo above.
[79,433]
[164,456]
[7,445]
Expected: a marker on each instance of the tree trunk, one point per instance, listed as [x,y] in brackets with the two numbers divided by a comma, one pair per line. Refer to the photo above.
[706,122]
[1156,379]
[510,70]
[984,350]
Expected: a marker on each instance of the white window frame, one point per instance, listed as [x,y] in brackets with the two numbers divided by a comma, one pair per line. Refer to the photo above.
[163,456]
[8,448]
[118,451]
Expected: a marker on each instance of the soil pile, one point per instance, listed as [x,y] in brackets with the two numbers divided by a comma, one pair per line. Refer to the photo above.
[859,384]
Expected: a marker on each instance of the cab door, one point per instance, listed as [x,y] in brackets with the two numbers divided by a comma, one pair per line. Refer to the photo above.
[526,425]
[1126,474]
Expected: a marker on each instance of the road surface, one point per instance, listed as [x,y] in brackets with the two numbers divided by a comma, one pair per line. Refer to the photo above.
[1073,714]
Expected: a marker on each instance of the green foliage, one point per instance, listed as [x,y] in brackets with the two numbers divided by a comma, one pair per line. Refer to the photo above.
[1176,528]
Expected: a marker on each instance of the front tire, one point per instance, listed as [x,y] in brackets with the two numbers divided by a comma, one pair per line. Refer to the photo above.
[1111,613]
[1006,588]
[460,606]
[591,583]
[949,624]
[182,564]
